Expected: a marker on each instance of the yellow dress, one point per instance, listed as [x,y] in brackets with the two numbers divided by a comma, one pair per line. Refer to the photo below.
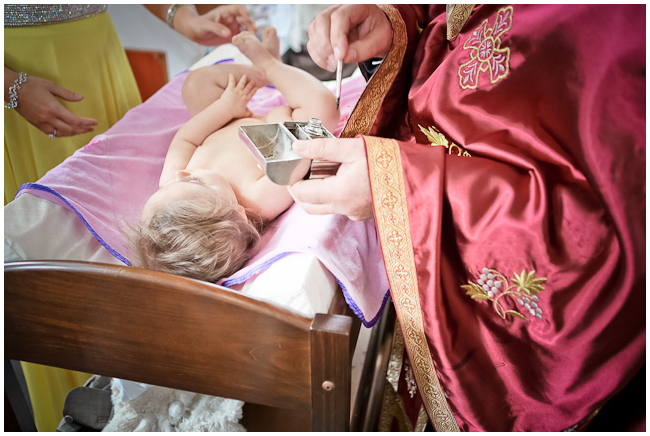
[84,56]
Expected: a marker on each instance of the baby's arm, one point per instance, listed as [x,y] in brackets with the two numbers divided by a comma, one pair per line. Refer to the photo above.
[231,105]
[206,84]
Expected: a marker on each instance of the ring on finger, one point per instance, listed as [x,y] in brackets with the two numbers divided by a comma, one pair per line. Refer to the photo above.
[53,134]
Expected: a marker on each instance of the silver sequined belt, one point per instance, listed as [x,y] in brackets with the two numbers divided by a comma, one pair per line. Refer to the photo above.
[37,15]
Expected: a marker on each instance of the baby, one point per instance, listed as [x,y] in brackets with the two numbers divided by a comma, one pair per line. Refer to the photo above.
[213,198]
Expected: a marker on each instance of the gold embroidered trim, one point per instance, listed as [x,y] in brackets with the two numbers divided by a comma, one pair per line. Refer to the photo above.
[423,418]
[396,357]
[438,139]
[392,406]
[365,112]
[492,286]
[393,410]
[391,218]
[457,16]
[486,54]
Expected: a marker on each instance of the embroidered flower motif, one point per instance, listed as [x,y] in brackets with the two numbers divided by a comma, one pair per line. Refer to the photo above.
[493,286]
[486,54]
[435,137]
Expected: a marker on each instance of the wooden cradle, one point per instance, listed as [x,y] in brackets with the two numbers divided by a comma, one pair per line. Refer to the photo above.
[293,373]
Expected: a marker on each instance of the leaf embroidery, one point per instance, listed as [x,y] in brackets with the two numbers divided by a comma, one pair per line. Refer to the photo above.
[494,287]
[515,313]
[436,138]
[526,282]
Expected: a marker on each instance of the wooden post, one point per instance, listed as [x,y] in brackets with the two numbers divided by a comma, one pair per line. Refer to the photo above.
[330,369]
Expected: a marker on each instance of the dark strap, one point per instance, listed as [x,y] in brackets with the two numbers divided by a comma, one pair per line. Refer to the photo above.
[89,407]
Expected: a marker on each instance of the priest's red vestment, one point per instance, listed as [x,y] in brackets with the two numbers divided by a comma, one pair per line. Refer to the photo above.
[507,165]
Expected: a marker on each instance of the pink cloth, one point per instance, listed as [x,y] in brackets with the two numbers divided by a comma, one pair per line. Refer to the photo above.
[108,181]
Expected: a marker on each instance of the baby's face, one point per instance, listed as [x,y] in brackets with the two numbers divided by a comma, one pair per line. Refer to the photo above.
[189,184]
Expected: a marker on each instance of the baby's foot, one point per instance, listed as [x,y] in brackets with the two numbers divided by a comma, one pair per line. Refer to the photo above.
[271,42]
[252,48]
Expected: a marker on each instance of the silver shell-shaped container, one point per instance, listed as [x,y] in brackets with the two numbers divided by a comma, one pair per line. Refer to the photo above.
[271,145]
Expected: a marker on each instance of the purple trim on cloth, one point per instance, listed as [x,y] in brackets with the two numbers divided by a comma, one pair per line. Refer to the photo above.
[44,188]
[258,269]
[357,311]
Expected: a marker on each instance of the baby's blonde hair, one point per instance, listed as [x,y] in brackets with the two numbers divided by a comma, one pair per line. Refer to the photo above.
[203,238]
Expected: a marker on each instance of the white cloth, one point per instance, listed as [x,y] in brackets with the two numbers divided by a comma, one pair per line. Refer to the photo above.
[163,409]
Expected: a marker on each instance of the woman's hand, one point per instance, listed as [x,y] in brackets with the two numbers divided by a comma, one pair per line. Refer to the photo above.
[351,33]
[347,192]
[237,95]
[215,27]
[39,105]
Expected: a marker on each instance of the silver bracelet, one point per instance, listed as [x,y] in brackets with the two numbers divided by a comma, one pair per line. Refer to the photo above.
[13,91]
[171,13]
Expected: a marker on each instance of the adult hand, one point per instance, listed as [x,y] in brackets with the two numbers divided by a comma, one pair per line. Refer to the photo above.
[351,33]
[38,104]
[347,192]
[215,27]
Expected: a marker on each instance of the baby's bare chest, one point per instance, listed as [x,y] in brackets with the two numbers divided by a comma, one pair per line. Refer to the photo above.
[223,151]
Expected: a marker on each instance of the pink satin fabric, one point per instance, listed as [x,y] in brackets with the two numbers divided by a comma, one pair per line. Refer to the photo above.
[555,184]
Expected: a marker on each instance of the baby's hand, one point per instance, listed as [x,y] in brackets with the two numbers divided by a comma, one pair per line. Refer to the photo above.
[237,95]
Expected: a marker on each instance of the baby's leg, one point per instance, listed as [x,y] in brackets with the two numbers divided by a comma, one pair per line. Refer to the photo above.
[205,85]
[306,95]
